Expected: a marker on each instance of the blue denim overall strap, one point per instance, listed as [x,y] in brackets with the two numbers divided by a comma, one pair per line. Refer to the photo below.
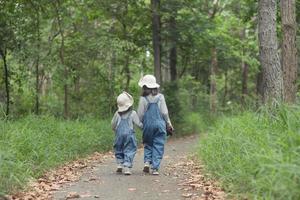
[154,134]
[125,145]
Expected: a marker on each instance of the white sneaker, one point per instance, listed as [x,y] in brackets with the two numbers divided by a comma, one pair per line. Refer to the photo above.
[119,168]
[127,171]
[146,167]
[155,172]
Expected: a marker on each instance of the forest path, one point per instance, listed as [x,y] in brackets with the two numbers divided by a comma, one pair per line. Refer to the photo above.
[102,182]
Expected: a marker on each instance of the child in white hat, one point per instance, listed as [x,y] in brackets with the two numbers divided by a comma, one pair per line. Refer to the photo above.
[153,112]
[125,145]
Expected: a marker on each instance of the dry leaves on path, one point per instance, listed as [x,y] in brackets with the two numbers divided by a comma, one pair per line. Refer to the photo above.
[195,185]
[43,188]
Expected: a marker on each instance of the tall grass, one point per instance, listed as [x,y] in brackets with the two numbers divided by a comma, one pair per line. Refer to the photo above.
[256,154]
[32,145]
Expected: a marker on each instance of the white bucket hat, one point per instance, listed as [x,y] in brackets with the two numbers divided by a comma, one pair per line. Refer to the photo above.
[149,81]
[124,101]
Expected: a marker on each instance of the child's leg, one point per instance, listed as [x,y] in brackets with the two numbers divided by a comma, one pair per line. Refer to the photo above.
[147,153]
[118,148]
[130,147]
[158,148]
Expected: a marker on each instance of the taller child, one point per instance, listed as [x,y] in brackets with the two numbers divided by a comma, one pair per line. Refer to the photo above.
[153,113]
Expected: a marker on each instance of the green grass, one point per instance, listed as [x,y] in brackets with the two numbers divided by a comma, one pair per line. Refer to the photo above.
[30,146]
[256,154]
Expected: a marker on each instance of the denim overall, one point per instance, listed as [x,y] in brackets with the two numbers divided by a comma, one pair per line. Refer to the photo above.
[154,134]
[125,145]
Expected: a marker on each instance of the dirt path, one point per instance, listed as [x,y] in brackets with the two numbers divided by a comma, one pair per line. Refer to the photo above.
[103,183]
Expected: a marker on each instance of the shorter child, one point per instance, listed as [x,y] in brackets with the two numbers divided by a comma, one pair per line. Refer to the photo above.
[125,145]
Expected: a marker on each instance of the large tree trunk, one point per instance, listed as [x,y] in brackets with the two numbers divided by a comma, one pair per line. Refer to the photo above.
[173,49]
[289,49]
[6,78]
[268,52]
[155,4]
[213,84]
[62,57]
[37,62]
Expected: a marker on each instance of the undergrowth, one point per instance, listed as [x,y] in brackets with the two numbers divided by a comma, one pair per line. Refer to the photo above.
[30,146]
[256,155]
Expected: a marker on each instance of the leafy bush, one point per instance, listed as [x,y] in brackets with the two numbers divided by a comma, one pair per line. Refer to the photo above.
[256,154]
[31,145]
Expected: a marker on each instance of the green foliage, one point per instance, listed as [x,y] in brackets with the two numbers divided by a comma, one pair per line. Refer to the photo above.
[256,154]
[30,146]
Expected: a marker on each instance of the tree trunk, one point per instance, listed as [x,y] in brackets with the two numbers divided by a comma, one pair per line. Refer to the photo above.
[62,58]
[173,50]
[111,72]
[289,49]
[268,53]
[244,81]
[126,63]
[225,87]
[213,84]
[6,78]
[127,72]
[37,62]
[155,4]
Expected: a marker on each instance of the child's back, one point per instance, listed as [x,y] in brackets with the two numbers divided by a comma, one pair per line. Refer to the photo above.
[125,144]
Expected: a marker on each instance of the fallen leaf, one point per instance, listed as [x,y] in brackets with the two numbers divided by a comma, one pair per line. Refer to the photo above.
[73,195]
[131,189]
[188,195]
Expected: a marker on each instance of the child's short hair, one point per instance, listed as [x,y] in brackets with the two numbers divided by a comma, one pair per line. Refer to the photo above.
[146,91]
[129,109]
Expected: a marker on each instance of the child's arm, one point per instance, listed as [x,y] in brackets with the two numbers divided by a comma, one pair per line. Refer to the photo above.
[136,120]
[141,109]
[114,121]
[165,112]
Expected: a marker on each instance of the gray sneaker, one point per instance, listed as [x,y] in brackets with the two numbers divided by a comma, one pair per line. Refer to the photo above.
[119,168]
[146,167]
[155,172]
[127,171]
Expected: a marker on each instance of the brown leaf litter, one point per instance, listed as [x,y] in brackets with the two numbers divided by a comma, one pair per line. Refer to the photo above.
[194,184]
[43,188]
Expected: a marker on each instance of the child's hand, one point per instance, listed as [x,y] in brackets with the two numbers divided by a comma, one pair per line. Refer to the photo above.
[170,130]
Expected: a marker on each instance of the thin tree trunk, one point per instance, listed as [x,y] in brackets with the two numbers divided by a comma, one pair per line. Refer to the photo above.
[213,84]
[225,87]
[268,54]
[126,63]
[155,4]
[37,84]
[112,73]
[173,50]
[62,58]
[289,49]
[244,81]
[127,72]
[6,78]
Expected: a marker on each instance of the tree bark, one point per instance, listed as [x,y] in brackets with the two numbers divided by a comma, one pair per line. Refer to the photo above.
[213,84]
[155,5]
[289,49]
[6,78]
[268,53]
[173,49]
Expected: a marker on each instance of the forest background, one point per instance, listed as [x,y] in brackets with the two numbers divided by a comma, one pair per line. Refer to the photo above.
[70,59]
